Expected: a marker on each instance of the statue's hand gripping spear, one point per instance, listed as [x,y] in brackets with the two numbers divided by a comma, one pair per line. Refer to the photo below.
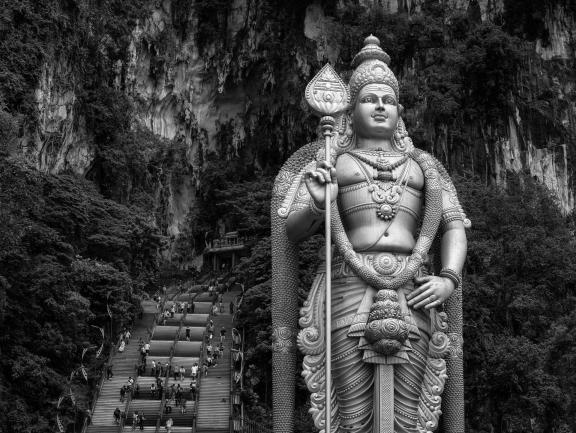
[328,96]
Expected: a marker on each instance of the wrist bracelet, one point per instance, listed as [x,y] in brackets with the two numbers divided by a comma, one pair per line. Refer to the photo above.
[452,275]
[314,209]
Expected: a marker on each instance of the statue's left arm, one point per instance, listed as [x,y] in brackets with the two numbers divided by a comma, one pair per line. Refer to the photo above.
[453,244]
[435,290]
[453,248]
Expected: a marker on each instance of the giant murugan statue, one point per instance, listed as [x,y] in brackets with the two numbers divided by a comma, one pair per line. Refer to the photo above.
[395,293]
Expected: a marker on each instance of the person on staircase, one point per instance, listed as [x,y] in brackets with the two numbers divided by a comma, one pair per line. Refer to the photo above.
[176,372]
[122,393]
[169,424]
[193,389]
[141,420]
[183,405]
[117,416]
[134,420]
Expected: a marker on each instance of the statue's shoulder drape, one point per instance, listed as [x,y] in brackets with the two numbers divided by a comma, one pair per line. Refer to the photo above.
[285,288]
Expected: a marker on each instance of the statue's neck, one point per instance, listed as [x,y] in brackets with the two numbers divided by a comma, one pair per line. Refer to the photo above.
[374,144]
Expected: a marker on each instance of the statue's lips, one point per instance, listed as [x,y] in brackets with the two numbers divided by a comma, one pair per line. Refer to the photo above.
[379,117]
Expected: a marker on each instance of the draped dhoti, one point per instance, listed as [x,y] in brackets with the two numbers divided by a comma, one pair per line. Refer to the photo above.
[355,365]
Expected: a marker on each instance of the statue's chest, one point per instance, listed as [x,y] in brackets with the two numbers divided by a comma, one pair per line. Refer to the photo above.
[353,170]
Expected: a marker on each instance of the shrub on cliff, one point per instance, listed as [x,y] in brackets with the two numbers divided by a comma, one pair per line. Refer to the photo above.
[56,281]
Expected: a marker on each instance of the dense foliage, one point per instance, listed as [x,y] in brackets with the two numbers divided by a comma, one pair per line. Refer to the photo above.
[68,244]
[519,310]
[66,253]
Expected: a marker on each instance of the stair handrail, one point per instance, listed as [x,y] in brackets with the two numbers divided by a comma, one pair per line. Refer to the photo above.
[96,396]
[100,385]
[159,310]
[163,401]
[232,390]
[167,375]
[250,426]
[172,349]
[199,379]
[240,351]
[195,410]
[198,383]
[126,409]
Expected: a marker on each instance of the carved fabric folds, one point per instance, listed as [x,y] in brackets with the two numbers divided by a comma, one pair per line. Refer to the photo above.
[352,375]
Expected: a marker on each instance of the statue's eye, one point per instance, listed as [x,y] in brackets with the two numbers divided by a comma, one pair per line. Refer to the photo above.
[368,99]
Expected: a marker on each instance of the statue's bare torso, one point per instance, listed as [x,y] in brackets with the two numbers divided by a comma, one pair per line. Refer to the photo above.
[365,230]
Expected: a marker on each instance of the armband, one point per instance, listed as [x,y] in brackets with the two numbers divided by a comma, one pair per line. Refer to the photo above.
[452,275]
[314,209]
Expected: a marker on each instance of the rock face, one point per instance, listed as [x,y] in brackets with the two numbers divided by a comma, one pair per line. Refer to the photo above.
[177,96]
[61,141]
[189,93]
[562,31]
[548,165]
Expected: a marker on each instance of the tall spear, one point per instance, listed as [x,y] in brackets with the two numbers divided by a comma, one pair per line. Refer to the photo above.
[328,96]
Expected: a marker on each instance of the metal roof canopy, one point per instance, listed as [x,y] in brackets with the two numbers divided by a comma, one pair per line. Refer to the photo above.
[160,348]
[187,362]
[205,297]
[196,319]
[165,332]
[188,348]
[195,333]
[202,307]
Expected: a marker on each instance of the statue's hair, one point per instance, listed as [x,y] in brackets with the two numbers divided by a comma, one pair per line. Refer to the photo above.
[371,65]
[372,72]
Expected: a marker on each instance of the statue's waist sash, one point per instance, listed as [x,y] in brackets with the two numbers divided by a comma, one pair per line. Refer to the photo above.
[352,299]
[384,264]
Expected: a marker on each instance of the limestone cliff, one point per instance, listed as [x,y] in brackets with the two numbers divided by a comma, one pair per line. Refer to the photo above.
[228,76]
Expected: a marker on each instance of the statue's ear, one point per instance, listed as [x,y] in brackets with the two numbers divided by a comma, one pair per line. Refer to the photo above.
[400,109]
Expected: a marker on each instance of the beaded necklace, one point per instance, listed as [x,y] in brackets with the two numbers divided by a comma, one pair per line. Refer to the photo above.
[383,167]
[387,197]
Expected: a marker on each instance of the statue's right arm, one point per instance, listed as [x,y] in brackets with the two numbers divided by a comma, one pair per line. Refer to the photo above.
[302,224]
[305,215]
[308,211]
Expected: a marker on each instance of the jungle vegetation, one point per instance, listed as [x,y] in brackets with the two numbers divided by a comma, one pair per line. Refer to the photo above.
[70,245]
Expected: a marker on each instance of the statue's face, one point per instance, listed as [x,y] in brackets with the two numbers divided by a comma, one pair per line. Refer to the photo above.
[375,112]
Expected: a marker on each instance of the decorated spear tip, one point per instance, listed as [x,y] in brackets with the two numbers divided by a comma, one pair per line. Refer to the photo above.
[326,93]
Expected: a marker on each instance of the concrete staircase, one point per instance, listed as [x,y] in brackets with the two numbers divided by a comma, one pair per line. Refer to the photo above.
[214,398]
[213,411]
[123,367]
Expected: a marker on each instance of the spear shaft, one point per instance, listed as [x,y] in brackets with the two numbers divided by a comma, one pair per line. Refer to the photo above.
[328,95]
[327,125]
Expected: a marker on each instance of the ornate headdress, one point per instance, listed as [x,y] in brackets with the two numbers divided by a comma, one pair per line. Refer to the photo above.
[371,65]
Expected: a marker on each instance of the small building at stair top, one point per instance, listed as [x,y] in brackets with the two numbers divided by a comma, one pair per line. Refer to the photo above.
[224,253]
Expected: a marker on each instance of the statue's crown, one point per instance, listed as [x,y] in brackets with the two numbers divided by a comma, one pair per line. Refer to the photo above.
[371,65]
